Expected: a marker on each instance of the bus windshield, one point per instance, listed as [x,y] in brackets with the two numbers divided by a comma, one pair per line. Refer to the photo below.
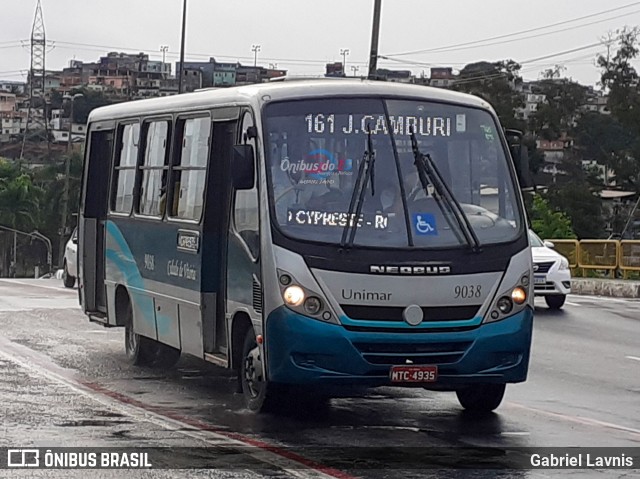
[316,153]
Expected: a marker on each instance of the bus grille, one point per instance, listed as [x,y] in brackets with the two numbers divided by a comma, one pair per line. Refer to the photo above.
[412,353]
[543,267]
[257,296]
[392,313]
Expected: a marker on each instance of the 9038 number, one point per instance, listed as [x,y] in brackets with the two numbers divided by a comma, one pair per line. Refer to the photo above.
[467,291]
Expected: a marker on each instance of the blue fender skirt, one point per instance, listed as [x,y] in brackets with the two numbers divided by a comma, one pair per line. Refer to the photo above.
[305,351]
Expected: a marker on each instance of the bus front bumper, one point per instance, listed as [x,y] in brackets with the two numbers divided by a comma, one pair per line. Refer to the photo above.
[306,351]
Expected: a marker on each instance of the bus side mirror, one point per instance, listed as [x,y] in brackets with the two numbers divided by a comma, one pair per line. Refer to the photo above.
[242,167]
[520,155]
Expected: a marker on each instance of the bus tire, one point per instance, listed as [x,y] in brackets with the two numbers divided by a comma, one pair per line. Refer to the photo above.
[555,301]
[481,398]
[136,347]
[259,394]
[143,351]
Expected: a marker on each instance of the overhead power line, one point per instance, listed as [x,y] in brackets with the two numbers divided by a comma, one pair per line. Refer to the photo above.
[502,42]
[192,55]
[521,32]
[533,60]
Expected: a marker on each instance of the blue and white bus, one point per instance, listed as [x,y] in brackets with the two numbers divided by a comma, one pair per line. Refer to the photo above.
[316,235]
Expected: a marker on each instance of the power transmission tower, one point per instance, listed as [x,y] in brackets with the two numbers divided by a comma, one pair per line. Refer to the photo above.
[37,127]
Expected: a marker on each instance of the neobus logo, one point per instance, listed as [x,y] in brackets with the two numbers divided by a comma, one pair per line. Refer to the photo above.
[410,270]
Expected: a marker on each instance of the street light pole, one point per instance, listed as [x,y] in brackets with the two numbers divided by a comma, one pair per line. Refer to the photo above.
[344,52]
[164,49]
[34,234]
[354,69]
[182,41]
[255,49]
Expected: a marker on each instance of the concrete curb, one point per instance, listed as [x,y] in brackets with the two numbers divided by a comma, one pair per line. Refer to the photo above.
[606,287]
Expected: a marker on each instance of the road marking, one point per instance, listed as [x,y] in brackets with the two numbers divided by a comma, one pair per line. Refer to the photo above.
[215,436]
[635,358]
[585,421]
[572,304]
[604,298]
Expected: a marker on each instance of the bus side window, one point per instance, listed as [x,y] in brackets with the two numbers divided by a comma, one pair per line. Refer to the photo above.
[245,214]
[125,170]
[153,187]
[190,168]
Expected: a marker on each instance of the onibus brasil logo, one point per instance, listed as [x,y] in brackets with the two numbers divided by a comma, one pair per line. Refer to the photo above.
[318,164]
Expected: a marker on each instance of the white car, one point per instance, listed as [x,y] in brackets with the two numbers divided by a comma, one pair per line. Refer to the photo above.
[551,273]
[70,267]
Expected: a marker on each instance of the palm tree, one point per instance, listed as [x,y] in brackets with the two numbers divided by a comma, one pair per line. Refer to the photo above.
[19,209]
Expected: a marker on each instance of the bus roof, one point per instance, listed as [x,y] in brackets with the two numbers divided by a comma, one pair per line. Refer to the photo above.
[276,91]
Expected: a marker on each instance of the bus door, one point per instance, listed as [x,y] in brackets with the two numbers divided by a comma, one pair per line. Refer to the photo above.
[215,226]
[94,214]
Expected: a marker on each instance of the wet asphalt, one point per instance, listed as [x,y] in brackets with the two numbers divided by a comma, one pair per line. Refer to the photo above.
[65,382]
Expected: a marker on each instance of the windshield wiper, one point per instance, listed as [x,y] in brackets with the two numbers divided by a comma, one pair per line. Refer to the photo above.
[366,173]
[428,172]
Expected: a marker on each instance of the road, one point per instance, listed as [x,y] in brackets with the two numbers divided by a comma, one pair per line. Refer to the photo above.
[65,382]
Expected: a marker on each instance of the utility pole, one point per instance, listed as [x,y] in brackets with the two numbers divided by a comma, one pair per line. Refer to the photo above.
[344,52]
[255,49]
[65,191]
[182,41]
[375,34]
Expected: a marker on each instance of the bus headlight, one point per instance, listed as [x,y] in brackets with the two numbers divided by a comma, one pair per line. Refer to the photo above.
[510,301]
[307,302]
[313,305]
[293,295]
[505,305]
[519,295]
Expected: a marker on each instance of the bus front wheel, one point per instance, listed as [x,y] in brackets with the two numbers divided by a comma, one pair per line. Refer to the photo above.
[481,398]
[259,394]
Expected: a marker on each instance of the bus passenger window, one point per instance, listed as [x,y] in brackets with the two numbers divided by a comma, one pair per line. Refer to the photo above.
[191,171]
[154,170]
[125,173]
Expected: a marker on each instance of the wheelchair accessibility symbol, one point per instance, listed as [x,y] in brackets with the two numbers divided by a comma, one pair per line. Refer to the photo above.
[425,224]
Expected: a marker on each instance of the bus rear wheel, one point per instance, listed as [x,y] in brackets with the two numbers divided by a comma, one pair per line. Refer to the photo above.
[143,351]
[259,394]
[481,398]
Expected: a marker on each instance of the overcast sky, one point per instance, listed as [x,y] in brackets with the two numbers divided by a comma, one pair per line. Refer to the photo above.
[302,35]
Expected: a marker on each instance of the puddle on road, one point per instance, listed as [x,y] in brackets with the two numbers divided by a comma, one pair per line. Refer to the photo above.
[108,414]
[92,423]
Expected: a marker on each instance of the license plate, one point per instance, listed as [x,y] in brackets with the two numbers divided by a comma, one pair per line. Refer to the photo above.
[539,279]
[413,374]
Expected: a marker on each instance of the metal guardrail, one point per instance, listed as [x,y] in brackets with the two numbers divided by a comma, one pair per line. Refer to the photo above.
[629,257]
[618,258]
[599,254]
[568,248]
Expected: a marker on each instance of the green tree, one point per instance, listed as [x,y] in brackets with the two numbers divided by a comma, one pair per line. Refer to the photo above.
[549,223]
[51,180]
[19,207]
[622,83]
[556,115]
[496,83]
